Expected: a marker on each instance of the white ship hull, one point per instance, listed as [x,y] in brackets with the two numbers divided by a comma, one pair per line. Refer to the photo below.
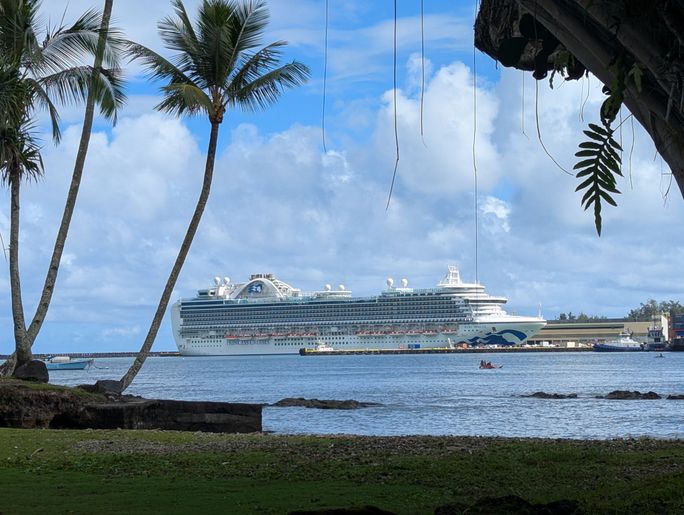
[212,344]
[267,316]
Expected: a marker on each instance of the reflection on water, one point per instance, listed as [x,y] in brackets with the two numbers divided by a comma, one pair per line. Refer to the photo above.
[436,394]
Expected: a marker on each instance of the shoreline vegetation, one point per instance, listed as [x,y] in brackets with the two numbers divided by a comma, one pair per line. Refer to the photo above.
[110,471]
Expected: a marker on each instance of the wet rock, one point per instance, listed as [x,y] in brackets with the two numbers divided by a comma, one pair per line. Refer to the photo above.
[300,402]
[512,504]
[35,370]
[676,397]
[544,395]
[73,408]
[627,395]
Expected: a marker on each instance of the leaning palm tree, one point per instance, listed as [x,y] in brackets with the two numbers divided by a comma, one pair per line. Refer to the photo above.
[34,75]
[20,160]
[104,88]
[218,65]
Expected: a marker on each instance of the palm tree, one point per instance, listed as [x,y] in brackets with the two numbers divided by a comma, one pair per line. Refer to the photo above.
[19,160]
[110,99]
[218,65]
[33,73]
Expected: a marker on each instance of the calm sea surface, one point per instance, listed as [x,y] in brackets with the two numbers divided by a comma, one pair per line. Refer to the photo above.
[437,394]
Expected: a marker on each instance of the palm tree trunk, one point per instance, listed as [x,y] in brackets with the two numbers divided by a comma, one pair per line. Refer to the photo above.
[53,268]
[127,379]
[23,352]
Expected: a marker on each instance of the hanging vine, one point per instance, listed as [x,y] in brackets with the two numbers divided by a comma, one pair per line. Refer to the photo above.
[635,47]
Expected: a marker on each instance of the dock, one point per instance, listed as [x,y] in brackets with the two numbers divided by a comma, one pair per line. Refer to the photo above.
[440,350]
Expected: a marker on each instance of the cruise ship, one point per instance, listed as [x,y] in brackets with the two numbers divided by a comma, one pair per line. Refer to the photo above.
[268,316]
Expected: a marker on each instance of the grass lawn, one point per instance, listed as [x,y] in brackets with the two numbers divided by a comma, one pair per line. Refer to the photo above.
[60,471]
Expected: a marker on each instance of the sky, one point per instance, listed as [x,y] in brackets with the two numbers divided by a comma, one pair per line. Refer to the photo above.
[314,214]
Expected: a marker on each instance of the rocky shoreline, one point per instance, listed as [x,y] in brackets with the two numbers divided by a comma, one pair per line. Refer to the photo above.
[28,404]
[25,404]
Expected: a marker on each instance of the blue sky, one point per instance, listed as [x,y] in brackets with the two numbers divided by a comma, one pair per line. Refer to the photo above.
[282,204]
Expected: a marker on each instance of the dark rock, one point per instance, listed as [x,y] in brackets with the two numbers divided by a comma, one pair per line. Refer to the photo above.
[544,395]
[72,408]
[512,504]
[635,395]
[676,397]
[214,417]
[452,509]
[300,402]
[109,386]
[362,510]
[34,370]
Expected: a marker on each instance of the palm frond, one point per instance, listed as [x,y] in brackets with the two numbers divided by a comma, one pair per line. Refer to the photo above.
[251,21]
[178,33]
[72,86]
[68,86]
[180,99]
[202,76]
[212,63]
[253,66]
[41,97]
[252,89]
[20,157]
[14,95]
[107,86]
[158,67]
[16,28]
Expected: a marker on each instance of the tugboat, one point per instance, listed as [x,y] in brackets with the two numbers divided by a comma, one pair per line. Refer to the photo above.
[623,343]
[656,340]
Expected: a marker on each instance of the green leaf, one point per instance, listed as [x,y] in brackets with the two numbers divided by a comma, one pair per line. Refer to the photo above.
[598,129]
[584,163]
[598,172]
[636,73]
[587,196]
[614,144]
[593,135]
[586,153]
[608,198]
[586,183]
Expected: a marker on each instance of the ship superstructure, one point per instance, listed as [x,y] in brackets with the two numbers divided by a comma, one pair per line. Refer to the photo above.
[268,316]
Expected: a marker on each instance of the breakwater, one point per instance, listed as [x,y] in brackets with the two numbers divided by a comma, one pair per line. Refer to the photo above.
[445,350]
[100,354]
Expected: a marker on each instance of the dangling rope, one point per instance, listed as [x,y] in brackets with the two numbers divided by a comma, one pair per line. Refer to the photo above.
[396,130]
[325,75]
[422,69]
[477,280]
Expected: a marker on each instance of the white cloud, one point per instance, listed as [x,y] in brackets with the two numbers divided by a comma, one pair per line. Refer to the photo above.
[281,204]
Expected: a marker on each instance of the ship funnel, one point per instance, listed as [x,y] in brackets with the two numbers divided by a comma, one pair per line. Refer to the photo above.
[404,283]
[390,282]
[217,280]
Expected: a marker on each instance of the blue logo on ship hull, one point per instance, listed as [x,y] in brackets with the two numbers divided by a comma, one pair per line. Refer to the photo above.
[498,338]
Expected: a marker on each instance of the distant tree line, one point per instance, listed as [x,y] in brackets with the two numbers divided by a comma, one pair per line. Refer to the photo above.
[582,317]
[646,311]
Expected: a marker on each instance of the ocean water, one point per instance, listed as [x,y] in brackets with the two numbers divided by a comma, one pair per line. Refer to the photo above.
[434,394]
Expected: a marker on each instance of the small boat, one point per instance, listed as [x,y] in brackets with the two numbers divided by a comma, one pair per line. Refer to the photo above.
[323,347]
[66,363]
[623,343]
[655,339]
[487,365]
